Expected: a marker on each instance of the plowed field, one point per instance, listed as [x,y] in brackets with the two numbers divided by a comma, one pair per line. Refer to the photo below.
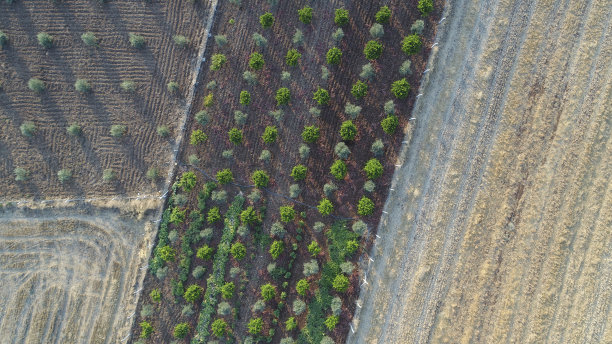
[499,229]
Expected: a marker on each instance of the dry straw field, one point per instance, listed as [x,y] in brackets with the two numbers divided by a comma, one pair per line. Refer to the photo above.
[500,229]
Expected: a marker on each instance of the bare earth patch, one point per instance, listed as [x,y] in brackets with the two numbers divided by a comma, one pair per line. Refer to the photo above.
[499,225]
[72,275]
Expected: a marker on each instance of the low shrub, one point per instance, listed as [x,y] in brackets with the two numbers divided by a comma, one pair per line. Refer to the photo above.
[341,17]
[377,31]
[294,191]
[400,88]
[128,86]
[383,15]
[198,272]
[417,27]
[373,50]
[163,131]
[146,311]
[181,41]
[311,268]
[336,305]
[412,44]
[82,85]
[365,206]
[45,40]
[342,150]
[367,72]
[250,77]
[298,37]
[256,61]
[304,151]
[338,35]
[285,76]
[117,130]
[211,85]
[299,306]
[220,40]
[3,39]
[265,155]
[360,227]
[333,56]
[310,134]
[338,169]
[258,306]
[369,186]
[405,68]
[378,147]
[108,175]
[283,96]
[305,14]
[348,131]
[36,85]
[329,189]
[21,174]
[352,110]
[318,227]
[136,41]
[89,39]
[202,117]
[153,174]
[235,136]
[359,89]
[292,57]
[324,73]
[266,20]
[298,172]
[217,61]
[259,40]
[193,159]
[173,87]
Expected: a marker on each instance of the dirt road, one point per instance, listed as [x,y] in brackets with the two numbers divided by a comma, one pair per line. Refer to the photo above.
[499,226]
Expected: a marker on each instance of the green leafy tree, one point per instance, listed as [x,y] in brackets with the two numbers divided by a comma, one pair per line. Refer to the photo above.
[302,286]
[235,136]
[352,246]
[245,98]
[256,61]
[177,216]
[225,176]
[283,96]
[425,7]
[325,207]
[219,328]
[181,330]
[117,130]
[340,283]
[373,168]
[389,124]
[314,248]
[400,88]
[292,58]
[270,134]
[338,169]
[166,253]
[321,96]
[412,44]
[217,61]
[299,172]
[333,56]
[260,178]
[348,131]
[276,248]
[128,86]
[305,14]
[227,290]
[89,39]
[266,20]
[198,137]
[373,50]
[213,215]
[342,17]
[82,85]
[205,252]
[146,329]
[331,322]
[287,213]
[255,326]
[188,181]
[249,216]
[3,39]
[238,251]
[268,292]
[359,89]
[383,15]
[290,325]
[27,129]
[155,295]
[136,41]
[183,41]
[310,134]
[365,206]
[163,131]
[193,293]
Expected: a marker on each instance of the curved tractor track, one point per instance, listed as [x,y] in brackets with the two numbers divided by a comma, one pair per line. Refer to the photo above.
[499,225]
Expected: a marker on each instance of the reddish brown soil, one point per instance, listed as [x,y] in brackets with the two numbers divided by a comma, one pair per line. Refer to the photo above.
[113,61]
[304,80]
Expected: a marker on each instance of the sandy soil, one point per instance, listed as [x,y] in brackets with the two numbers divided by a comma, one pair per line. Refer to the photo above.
[499,225]
[72,275]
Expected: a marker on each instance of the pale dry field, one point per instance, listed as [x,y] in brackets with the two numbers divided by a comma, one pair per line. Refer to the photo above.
[499,225]
[73,274]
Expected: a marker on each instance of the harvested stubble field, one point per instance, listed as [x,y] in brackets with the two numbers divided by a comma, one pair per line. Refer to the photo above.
[71,274]
[500,226]
[105,66]
[193,251]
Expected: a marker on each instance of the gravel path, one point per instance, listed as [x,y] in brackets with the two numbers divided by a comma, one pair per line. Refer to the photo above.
[499,228]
